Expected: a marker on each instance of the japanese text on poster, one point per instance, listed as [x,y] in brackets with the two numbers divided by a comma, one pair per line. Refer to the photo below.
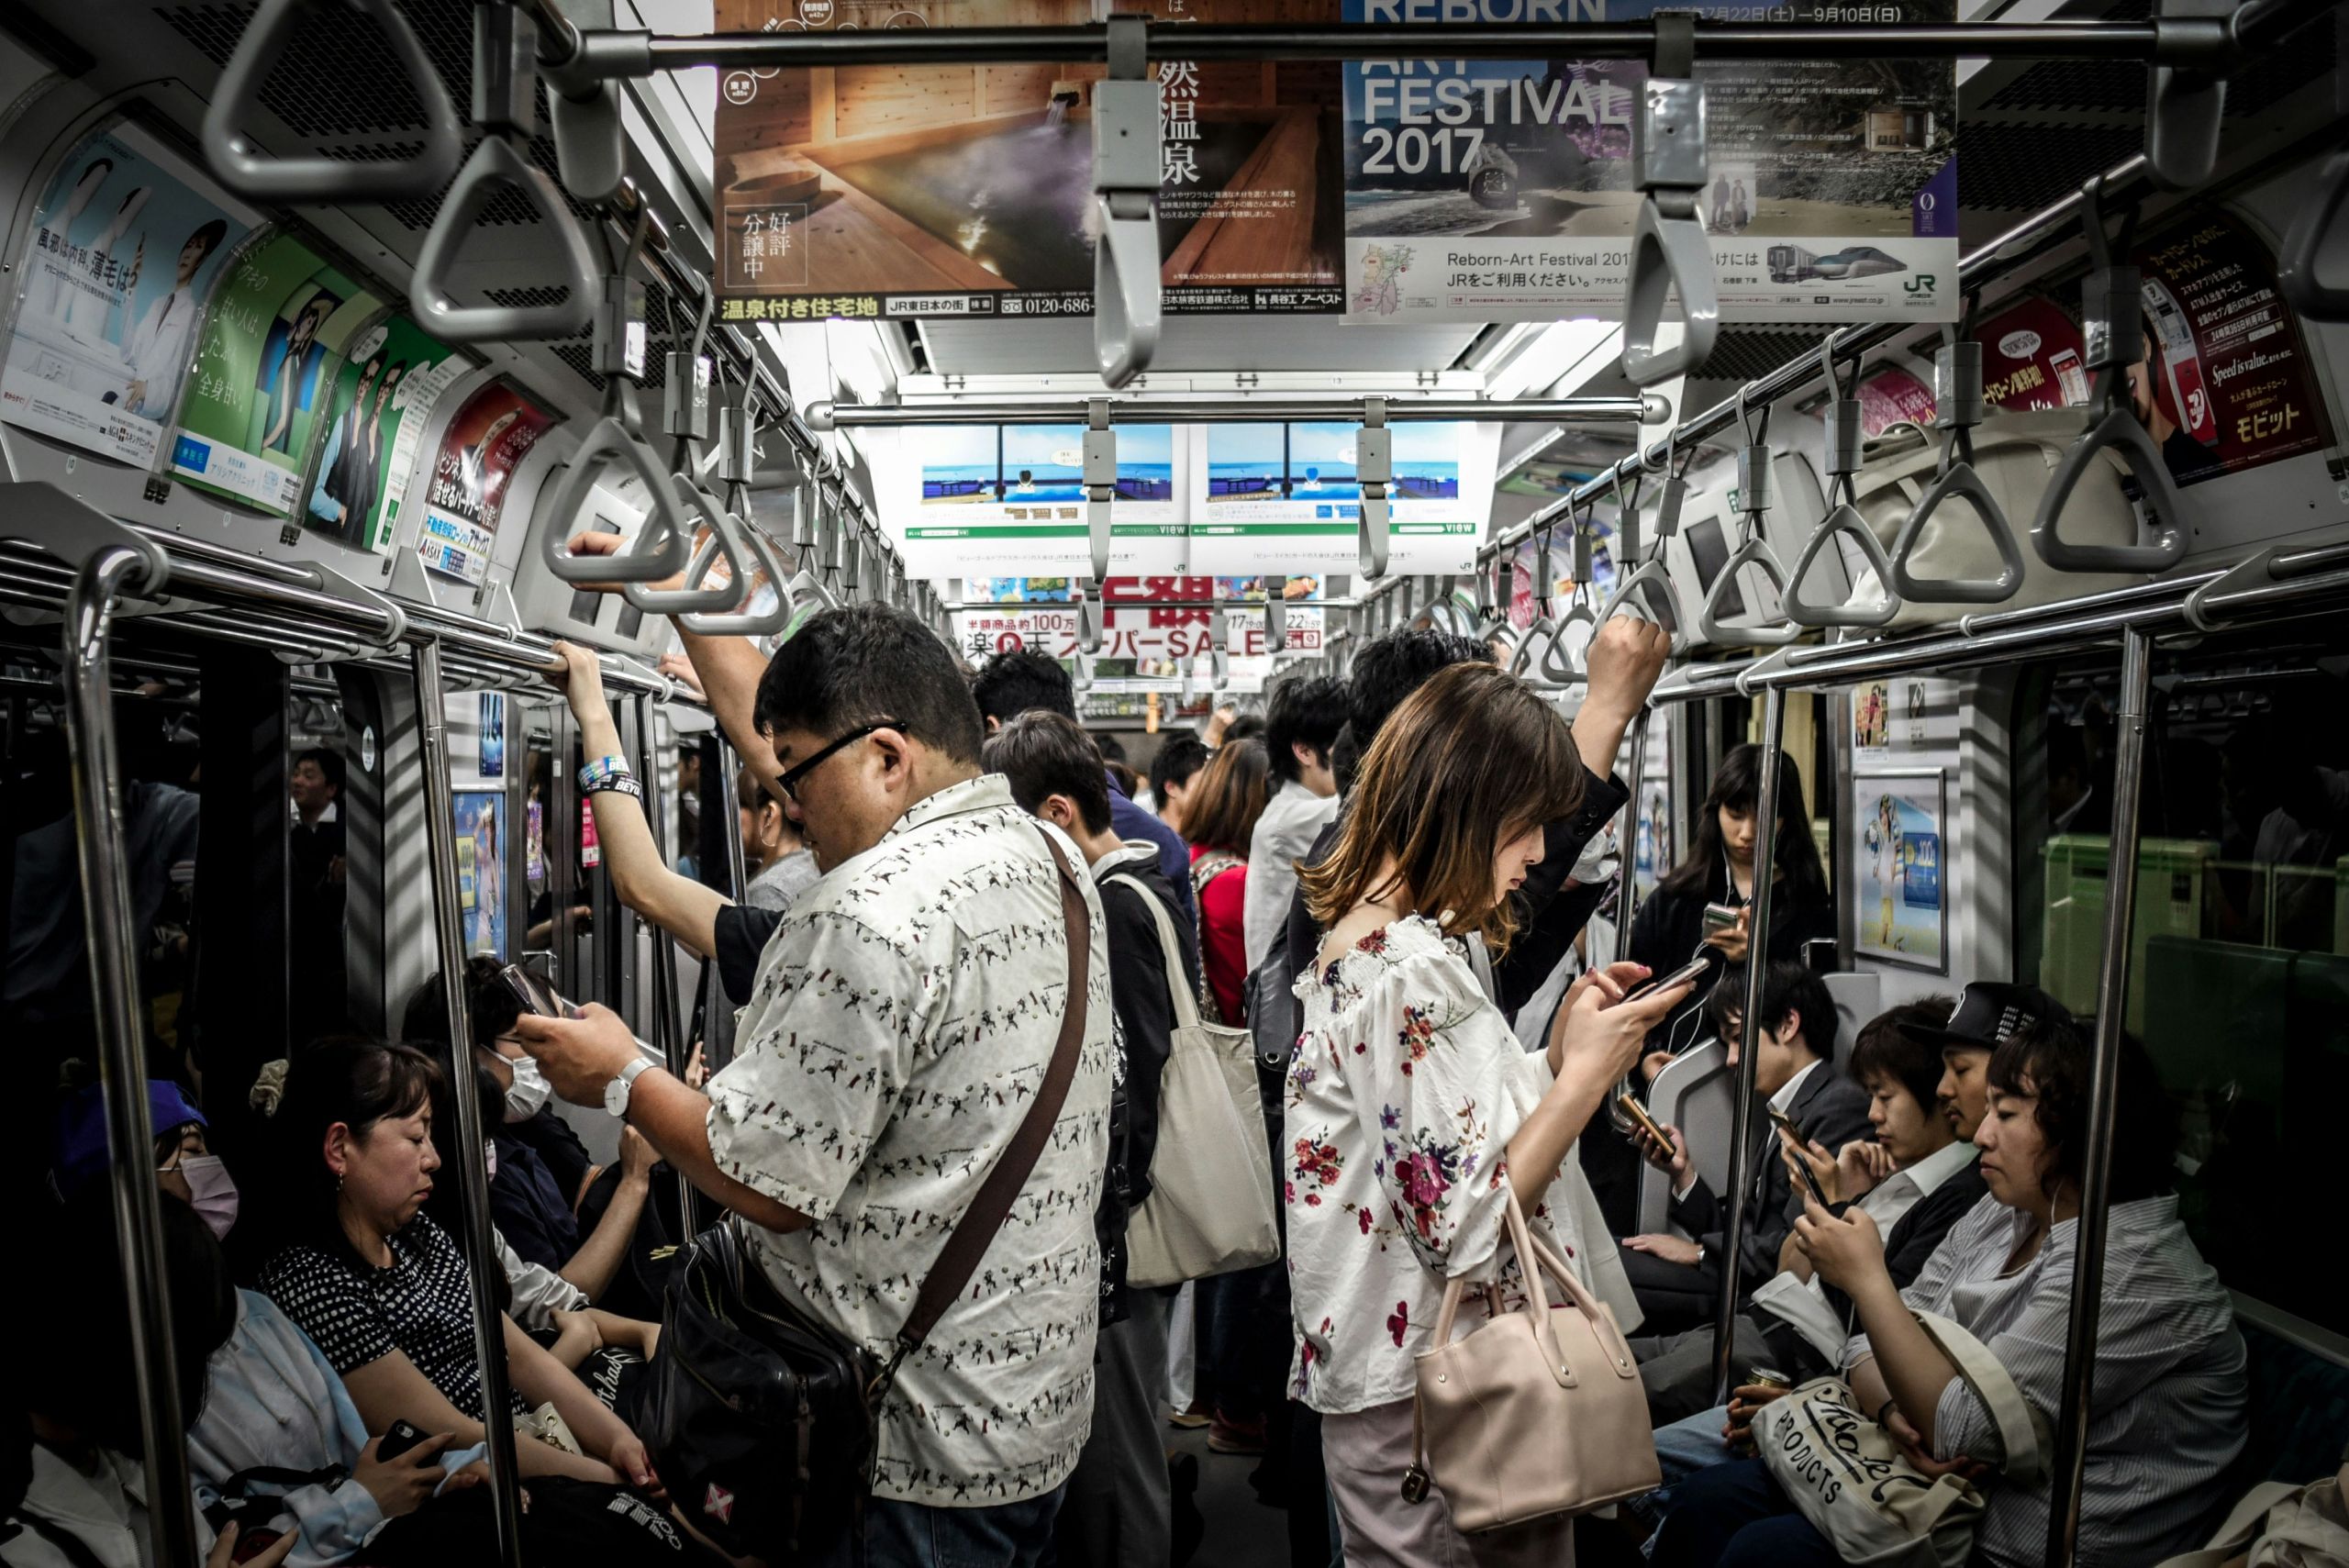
[483,446]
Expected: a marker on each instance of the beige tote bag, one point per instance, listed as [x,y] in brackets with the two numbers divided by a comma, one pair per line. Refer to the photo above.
[1210,1205]
[1536,1412]
[1848,1477]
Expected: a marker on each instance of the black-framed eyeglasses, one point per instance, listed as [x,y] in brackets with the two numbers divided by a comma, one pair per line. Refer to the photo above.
[791,778]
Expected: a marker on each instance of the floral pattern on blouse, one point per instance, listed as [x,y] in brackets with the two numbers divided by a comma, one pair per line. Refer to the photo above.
[1404,1089]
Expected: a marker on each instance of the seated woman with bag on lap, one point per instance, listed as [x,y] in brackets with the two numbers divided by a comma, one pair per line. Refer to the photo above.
[1416,1123]
[1960,1377]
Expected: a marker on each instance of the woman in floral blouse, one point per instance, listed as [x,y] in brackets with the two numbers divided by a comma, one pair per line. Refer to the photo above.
[1411,1102]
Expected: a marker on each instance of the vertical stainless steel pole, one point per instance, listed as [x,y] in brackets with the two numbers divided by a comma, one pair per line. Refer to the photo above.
[114,983]
[1742,1153]
[670,1034]
[2111,1016]
[1627,881]
[472,1168]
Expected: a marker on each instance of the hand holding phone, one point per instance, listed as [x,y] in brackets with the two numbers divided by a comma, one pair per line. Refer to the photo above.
[532,990]
[1797,1164]
[1629,1103]
[1687,973]
[402,1436]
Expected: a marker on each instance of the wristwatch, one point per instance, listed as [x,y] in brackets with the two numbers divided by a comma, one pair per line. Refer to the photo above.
[616,1092]
[1700,1246]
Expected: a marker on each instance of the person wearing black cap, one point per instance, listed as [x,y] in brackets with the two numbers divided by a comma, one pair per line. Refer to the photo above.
[1989,1013]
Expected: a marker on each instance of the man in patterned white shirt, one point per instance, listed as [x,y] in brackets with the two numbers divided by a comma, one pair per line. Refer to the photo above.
[902,1015]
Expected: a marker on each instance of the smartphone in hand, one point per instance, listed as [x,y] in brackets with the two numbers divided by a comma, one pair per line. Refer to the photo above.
[402,1436]
[1629,1103]
[532,989]
[1694,969]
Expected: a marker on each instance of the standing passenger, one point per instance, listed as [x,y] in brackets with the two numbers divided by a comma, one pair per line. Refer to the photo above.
[1225,801]
[1412,1109]
[895,1006]
[782,867]
[1302,727]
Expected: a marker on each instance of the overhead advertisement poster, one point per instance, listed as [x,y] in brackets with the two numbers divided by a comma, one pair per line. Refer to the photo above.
[483,446]
[1013,497]
[1289,497]
[967,190]
[264,367]
[1493,190]
[121,258]
[382,399]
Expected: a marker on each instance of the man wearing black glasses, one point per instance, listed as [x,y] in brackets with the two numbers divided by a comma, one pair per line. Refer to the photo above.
[903,1014]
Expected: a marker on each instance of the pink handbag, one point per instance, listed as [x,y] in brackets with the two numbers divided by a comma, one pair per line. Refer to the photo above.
[1537,1412]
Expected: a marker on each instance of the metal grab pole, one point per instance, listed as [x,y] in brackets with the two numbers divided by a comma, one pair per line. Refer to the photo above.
[1626,883]
[2096,1193]
[1757,963]
[670,1038]
[114,981]
[472,1169]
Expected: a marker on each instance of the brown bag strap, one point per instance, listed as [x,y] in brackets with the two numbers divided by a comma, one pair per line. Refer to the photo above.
[974,1232]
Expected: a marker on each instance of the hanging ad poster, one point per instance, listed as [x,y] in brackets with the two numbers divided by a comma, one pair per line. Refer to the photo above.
[2224,384]
[493,735]
[383,397]
[265,364]
[1289,497]
[481,870]
[122,255]
[483,446]
[961,190]
[1502,190]
[1013,497]
[1903,902]
[2031,358]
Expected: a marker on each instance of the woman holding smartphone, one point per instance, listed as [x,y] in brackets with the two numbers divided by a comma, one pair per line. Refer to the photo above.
[1412,1110]
[1702,906]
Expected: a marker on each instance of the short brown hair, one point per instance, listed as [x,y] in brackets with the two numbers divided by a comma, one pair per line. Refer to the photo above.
[1227,797]
[1043,753]
[1471,759]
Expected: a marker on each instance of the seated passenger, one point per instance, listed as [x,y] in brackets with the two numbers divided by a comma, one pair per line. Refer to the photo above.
[1412,1110]
[183,1159]
[1118,1511]
[2167,1396]
[84,1491]
[381,1289]
[601,1236]
[1678,1280]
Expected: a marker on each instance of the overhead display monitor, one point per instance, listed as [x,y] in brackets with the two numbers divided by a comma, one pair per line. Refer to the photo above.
[119,258]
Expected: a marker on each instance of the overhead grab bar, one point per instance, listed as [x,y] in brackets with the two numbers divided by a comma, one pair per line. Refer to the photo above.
[505,46]
[1843,440]
[1669,250]
[664,538]
[1958,406]
[2184,106]
[1754,499]
[318,181]
[1128,302]
[1374,469]
[2113,333]
[2317,245]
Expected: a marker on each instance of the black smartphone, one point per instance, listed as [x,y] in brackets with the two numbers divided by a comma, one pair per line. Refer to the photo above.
[403,1436]
[530,988]
[1802,1167]
[1680,976]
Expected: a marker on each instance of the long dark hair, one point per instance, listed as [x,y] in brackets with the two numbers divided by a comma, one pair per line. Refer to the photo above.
[354,1081]
[1737,785]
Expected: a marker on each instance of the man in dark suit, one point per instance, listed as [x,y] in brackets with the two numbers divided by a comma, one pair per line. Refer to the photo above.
[1678,1280]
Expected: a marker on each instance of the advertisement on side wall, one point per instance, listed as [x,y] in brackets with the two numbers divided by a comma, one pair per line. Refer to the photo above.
[1502,190]
[264,369]
[481,870]
[122,256]
[963,191]
[382,399]
[483,444]
[1903,914]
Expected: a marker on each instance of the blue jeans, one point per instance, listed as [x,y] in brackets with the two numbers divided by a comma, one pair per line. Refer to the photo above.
[1734,1516]
[912,1535]
[1682,1449]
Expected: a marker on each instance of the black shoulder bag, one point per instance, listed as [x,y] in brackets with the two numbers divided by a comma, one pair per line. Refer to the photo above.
[762,1421]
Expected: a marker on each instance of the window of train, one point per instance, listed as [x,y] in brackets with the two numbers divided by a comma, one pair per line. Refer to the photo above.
[2239,973]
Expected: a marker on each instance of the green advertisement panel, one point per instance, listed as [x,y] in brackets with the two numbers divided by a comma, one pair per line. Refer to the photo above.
[381,399]
[256,393]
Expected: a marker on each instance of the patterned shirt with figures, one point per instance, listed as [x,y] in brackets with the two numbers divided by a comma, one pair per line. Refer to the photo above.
[901,1020]
[1406,1086]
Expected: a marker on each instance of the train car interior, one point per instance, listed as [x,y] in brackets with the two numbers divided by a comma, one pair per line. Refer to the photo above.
[530,525]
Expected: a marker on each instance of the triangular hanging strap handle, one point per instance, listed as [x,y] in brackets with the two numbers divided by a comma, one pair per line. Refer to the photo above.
[1844,520]
[495,163]
[1710,628]
[665,539]
[1958,406]
[321,181]
[1669,247]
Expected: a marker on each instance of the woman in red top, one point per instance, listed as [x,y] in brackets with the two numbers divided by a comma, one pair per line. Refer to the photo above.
[1219,816]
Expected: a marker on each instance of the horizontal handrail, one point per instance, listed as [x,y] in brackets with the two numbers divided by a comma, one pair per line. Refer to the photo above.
[1636,410]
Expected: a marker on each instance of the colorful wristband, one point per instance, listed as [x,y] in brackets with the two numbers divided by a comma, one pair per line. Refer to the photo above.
[609,774]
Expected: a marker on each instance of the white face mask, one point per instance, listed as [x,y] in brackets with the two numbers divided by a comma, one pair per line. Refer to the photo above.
[211,1190]
[530,1091]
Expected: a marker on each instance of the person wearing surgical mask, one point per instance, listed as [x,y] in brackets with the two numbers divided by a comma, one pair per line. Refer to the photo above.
[184,1163]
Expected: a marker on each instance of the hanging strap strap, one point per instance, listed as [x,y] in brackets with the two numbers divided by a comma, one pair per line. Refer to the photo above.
[974,1232]
[1187,1008]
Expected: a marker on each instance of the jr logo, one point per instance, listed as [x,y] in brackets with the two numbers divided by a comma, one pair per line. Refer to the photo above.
[1921,283]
